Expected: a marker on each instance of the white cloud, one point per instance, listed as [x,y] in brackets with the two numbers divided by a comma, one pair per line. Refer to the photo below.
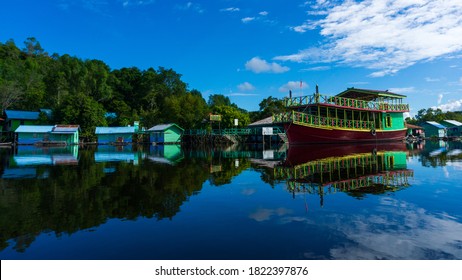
[263,13]
[247,19]
[455,105]
[293,85]
[127,3]
[317,68]
[432,80]
[230,9]
[440,98]
[246,86]
[384,35]
[402,90]
[190,6]
[258,65]
[304,27]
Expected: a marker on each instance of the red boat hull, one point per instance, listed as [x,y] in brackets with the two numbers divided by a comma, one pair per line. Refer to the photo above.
[298,134]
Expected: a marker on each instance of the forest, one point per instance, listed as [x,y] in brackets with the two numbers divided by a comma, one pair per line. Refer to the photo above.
[84,92]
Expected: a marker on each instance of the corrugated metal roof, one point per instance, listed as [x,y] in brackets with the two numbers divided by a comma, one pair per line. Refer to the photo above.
[115,130]
[353,92]
[163,127]
[454,122]
[65,129]
[21,115]
[34,129]
[435,124]
[265,121]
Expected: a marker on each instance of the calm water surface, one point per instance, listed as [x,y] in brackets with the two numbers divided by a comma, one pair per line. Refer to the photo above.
[311,202]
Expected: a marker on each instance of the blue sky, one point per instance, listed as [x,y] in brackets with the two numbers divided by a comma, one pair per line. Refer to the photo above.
[251,49]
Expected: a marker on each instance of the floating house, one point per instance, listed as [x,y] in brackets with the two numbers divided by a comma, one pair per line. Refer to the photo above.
[13,119]
[32,134]
[434,129]
[414,130]
[165,133]
[47,134]
[109,135]
[454,128]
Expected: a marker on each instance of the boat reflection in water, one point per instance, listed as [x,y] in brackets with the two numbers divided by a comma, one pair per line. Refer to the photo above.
[355,169]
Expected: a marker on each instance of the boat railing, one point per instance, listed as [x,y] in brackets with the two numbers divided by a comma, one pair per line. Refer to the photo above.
[345,102]
[230,131]
[320,121]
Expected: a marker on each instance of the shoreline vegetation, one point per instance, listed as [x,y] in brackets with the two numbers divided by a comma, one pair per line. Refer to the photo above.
[89,93]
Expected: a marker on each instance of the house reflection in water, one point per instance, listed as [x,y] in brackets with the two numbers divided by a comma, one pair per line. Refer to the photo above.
[123,153]
[356,170]
[167,154]
[25,160]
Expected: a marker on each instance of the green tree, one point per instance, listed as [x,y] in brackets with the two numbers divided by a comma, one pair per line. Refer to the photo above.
[270,106]
[83,110]
[229,114]
[218,100]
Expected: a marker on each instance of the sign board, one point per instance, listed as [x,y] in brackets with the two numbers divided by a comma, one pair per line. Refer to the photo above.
[236,122]
[267,130]
[268,154]
[216,118]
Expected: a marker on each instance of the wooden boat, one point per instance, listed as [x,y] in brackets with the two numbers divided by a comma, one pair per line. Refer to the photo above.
[354,115]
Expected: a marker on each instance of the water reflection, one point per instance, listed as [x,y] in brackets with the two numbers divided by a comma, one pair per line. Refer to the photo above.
[355,169]
[169,202]
[441,153]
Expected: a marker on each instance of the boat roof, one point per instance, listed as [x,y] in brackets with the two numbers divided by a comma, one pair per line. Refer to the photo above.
[369,94]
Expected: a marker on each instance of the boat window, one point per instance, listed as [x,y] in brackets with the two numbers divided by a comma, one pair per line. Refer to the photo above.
[388,120]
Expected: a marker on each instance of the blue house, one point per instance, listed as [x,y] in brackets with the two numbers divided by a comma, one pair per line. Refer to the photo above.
[41,134]
[108,135]
[32,134]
